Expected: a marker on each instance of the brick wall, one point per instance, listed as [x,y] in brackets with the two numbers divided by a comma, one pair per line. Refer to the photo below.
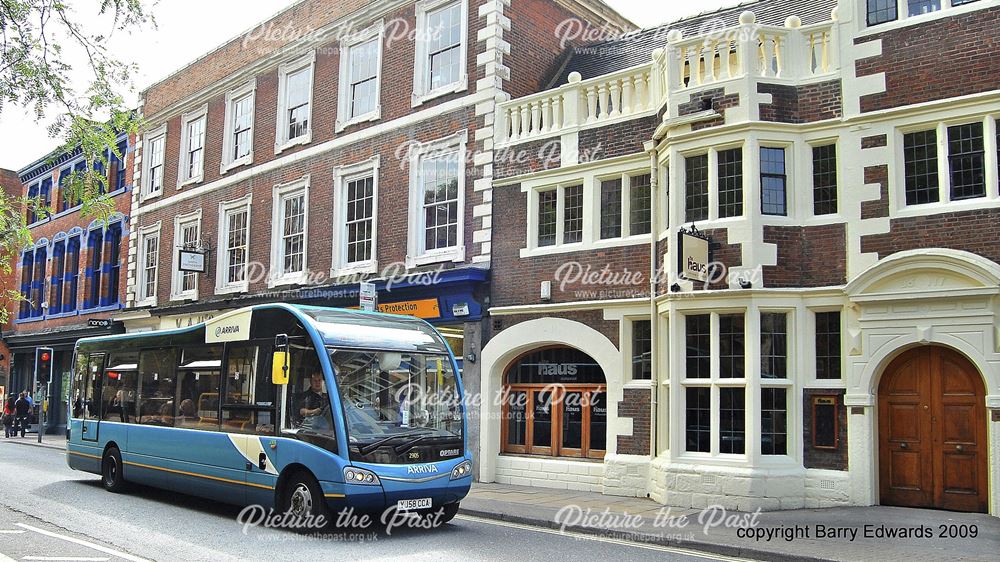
[628,266]
[811,256]
[635,404]
[802,104]
[619,139]
[830,459]
[397,87]
[876,208]
[972,231]
[590,318]
[526,158]
[393,203]
[715,99]
[944,58]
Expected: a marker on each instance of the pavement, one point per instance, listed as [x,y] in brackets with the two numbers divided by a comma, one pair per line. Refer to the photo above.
[639,525]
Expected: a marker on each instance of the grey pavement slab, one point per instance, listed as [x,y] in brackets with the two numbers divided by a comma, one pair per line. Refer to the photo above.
[843,534]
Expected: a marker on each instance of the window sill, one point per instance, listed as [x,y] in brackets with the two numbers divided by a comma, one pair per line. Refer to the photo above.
[362,268]
[245,161]
[149,196]
[29,320]
[538,251]
[287,280]
[366,118]
[146,302]
[180,297]
[460,85]
[638,384]
[106,308]
[231,289]
[454,254]
[191,181]
[285,145]
[63,314]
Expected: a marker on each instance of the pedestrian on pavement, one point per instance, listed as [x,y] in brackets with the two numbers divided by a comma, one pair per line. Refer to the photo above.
[22,409]
[8,415]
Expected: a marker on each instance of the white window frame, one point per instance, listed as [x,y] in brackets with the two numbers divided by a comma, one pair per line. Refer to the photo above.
[903,17]
[151,136]
[229,136]
[143,299]
[180,222]
[344,99]
[715,382]
[416,254]
[280,194]
[421,88]
[282,142]
[222,255]
[342,176]
[183,177]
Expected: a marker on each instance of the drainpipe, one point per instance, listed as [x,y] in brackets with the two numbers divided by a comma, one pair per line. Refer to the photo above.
[654,233]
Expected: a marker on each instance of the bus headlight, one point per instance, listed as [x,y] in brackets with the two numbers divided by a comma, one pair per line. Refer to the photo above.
[360,476]
[462,470]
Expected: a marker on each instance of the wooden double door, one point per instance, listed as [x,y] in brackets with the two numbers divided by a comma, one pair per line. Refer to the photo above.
[932,432]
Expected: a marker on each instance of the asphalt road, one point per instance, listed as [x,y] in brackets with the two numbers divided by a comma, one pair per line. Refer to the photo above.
[54,513]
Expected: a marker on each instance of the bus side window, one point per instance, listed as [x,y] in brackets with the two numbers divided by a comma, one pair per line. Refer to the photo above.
[198,383]
[157,387]
[249,399]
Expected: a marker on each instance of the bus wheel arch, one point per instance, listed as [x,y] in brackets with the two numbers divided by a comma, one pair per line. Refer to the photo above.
[297,484]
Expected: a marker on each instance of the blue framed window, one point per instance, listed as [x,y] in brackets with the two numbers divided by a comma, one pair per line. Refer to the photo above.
[71,278]
[58,274]
[38,283]
[64,189]
[27,270]
[80,167]
[95,243]
[117,174]
[112,264]
[45,194]
[32,215]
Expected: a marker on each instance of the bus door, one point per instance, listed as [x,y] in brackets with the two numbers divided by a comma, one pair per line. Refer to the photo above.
[92,397]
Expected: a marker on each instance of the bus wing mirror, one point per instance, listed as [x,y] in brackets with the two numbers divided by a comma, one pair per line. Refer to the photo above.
[280,368]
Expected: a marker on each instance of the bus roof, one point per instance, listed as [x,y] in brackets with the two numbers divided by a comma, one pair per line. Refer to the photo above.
[336,327]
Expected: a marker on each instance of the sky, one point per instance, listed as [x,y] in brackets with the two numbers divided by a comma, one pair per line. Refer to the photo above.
[179,39]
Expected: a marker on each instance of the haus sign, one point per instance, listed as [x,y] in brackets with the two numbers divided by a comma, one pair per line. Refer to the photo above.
[694,255]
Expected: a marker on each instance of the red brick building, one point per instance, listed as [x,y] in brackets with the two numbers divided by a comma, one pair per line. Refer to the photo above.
[335,143]
[72,279]
[762,242]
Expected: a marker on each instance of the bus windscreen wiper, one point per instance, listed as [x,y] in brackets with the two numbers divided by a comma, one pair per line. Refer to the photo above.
[367,449]
[400,449]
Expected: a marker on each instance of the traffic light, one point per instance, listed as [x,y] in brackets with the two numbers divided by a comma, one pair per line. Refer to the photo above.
[43,364]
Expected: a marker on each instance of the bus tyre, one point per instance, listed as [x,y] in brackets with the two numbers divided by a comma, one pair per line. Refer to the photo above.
[304,501]
[450,511]
[111,471]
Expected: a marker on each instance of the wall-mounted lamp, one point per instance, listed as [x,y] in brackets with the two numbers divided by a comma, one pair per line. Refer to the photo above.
[675,288]
[745,284]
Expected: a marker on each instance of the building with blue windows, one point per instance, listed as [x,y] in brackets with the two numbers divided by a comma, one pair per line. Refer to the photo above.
[71,278]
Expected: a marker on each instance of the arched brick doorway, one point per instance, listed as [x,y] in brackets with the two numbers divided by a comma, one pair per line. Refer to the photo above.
[932,432]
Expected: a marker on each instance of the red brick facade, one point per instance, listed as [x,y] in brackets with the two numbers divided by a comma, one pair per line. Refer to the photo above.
[802,104]
[936,60]
[811,256]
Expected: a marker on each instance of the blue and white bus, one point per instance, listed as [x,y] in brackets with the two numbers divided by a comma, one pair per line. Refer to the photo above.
[306,409]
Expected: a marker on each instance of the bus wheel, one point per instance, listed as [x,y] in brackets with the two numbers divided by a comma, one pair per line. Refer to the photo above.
[450,511]
[304,501]
[111,471]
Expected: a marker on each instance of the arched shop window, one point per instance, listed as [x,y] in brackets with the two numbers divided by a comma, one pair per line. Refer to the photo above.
[555,404]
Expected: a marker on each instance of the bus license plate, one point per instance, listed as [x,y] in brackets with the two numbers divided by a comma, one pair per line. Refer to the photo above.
[407,505]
